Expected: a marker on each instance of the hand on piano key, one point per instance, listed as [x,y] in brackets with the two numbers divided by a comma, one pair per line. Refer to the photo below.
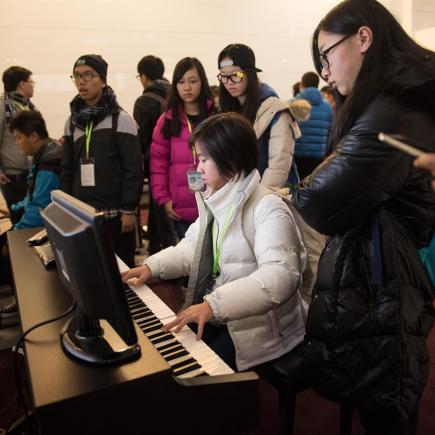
[137,275]
[199,313]
[150,313]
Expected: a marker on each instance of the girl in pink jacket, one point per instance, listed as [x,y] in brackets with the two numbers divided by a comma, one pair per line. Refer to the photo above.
[189,103]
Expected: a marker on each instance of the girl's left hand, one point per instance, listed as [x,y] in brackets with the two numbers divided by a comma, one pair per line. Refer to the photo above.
[199,313]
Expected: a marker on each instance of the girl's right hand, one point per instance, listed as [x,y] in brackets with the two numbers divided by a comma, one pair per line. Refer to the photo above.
[170,211]
[137,275]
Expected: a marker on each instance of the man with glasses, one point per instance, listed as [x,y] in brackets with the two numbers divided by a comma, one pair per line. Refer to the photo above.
[18,89]
[147,110]
[101,161]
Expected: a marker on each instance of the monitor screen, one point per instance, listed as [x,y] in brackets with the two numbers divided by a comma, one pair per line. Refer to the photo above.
[87,267]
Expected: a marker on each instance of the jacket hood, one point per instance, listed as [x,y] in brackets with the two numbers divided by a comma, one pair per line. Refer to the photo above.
[299,111]
[159,86]
[52,152]
[312,95]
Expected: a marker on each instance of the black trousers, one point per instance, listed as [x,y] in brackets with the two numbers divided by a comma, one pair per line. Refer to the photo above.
[161,232]
[181,228]
[15,191]
[123,243]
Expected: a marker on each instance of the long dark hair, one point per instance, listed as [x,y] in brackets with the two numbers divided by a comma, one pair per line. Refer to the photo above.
[172,127]
[392,52]
[253,94]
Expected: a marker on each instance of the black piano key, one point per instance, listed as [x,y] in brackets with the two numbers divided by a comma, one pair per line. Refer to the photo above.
[152,328]
[161,339]
[201,374]
[176,347]
[179,354]
[160,346]
[158,334]
[149,322]
[146,319]
[138,310]
[140,313]
[183,363]
[187,369]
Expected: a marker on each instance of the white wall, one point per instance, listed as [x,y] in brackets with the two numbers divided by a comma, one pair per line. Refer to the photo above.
[47,36]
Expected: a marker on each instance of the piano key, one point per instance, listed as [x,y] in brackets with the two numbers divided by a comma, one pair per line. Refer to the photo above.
[163,347]
[174,355]
[184,362]
[171,349]
[162,344]
[152,328]
[161,339]
[188,369]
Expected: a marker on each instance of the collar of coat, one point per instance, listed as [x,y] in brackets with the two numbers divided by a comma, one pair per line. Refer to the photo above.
[234,192]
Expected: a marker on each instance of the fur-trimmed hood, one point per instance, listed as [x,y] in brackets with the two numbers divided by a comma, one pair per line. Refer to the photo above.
[299,110]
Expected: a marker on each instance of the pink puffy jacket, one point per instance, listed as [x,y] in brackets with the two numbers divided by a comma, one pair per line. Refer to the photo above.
[170,159]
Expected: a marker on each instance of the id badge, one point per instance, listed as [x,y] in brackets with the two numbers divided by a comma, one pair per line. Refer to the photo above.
[87,172]
[194,179]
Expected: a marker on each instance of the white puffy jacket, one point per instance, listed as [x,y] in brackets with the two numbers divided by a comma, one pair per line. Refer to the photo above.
[255,294]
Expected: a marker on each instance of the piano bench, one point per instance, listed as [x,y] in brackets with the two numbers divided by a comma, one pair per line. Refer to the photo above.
[285,374]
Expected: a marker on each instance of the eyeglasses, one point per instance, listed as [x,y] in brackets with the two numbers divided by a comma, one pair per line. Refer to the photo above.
[86,76]
[234,78]
[30,81]
[324,54]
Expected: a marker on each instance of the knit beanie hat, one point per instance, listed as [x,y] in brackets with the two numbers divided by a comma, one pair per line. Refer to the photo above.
[95,61]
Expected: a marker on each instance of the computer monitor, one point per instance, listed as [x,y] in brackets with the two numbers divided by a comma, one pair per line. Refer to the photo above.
[87,267]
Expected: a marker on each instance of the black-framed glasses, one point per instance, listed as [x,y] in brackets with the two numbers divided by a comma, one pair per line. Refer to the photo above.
[324,54]
[86,76]
[237,77]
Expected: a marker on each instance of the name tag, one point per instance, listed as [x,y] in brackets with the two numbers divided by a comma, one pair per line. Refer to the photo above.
[87,173]
[195,182]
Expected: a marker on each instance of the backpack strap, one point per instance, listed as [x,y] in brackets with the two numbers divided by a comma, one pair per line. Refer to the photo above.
[115,117]
[157,98]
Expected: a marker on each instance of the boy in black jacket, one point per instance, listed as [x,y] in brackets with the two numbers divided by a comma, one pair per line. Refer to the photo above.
[147,110]
[101,161]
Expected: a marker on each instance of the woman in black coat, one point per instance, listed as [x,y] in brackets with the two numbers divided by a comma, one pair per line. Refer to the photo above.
[371,312]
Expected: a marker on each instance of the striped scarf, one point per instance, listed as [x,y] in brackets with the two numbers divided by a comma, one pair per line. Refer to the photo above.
[81,114]
[15,103]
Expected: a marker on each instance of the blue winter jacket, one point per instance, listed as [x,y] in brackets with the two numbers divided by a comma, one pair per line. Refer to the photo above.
[315,131]
[44,177]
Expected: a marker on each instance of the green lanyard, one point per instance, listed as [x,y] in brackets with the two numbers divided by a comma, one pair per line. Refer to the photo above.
[218,246]
[88,133]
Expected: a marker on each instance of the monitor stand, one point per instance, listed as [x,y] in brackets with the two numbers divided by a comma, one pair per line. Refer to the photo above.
[83,339]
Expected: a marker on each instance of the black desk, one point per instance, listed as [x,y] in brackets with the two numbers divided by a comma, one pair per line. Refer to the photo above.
[135,398]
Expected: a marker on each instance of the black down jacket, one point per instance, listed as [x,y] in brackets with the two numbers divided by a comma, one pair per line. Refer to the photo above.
[371,310]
